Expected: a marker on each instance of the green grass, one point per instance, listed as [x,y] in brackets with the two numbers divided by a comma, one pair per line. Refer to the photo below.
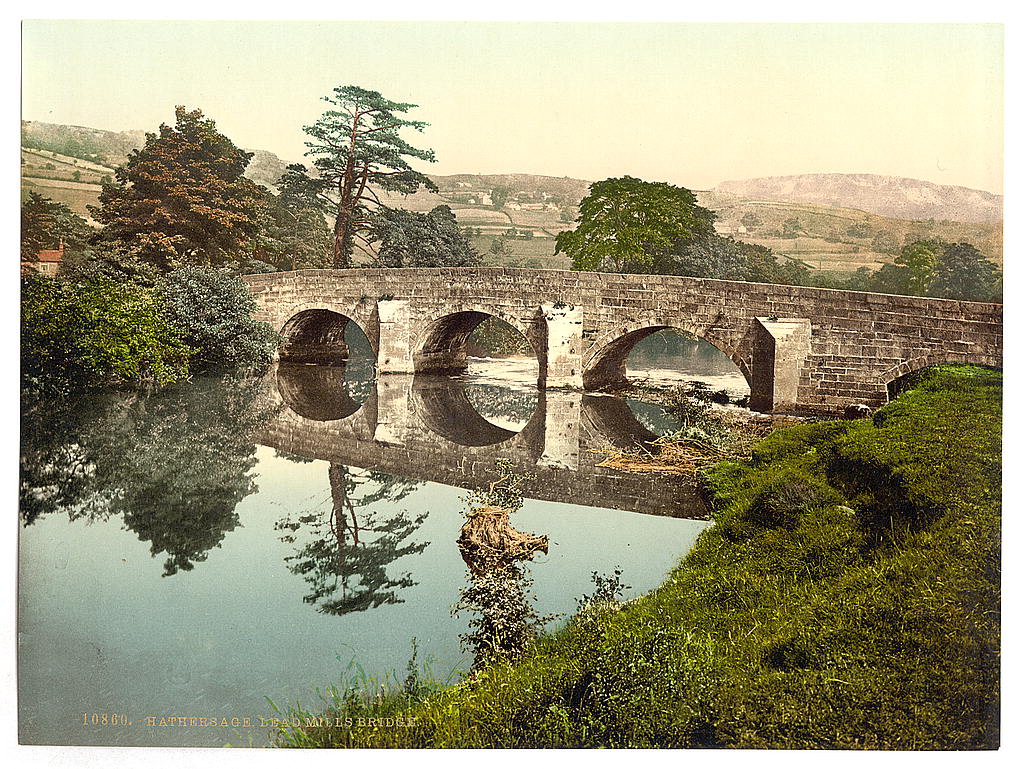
[846,597]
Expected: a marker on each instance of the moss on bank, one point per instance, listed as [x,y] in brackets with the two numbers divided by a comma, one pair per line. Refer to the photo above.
[847,597]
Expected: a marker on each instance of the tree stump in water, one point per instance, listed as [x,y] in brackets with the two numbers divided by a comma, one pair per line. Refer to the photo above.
[487,540]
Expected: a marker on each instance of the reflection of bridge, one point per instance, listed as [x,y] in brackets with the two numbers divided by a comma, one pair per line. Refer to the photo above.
[811,348]
[426,428]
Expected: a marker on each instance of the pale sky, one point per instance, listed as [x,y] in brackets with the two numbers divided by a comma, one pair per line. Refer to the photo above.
[690,104]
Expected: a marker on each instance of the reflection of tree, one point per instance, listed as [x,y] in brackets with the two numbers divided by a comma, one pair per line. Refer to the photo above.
[174,465]
[345,560]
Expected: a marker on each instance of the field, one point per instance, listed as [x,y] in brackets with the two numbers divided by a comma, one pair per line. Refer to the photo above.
[837,239]
[829,240]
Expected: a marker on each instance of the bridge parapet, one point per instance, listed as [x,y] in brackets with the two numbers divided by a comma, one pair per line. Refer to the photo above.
[582,325]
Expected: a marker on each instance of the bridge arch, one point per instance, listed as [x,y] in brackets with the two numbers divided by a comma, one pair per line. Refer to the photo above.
[316,334]
[888,380]
[319,393]
[604,365]
[441,344]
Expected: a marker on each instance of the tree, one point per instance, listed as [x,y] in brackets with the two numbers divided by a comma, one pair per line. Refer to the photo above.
[45,224]
[962,272]
[792,228]
[358,149]
[410,239]
[750,220]
[500,195]
[77,335]
[182,198]
[627,222]
[705,256]
[918,261]
[293,226]
[212,312]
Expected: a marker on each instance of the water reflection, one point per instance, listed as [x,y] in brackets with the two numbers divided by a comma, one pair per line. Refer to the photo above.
[497,593]
[322,393]
[348,547]
[174,465]
[431,428]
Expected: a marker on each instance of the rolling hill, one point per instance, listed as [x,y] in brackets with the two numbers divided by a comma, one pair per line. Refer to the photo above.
[894,197]
[830,222]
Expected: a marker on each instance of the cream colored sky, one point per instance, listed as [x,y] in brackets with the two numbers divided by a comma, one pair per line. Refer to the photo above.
[688,104]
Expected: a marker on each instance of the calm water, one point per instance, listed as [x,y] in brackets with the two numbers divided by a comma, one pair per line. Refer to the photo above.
[197,551]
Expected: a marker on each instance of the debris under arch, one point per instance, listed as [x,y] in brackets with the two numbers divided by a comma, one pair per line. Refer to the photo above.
[488,540]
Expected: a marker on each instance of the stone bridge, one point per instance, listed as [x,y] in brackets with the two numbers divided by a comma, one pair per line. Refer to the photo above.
[799,348]
[426,428]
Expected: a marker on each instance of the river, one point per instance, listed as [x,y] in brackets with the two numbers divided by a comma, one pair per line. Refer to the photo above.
[185,555]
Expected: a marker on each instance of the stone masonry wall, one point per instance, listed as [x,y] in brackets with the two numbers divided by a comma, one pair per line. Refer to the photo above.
[859,342]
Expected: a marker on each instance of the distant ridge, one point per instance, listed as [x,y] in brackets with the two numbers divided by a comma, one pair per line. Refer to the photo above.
[892,196]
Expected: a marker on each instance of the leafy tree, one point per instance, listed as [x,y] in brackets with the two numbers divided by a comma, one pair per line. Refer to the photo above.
[891,279]
[761,266]
[962,272]
[499,247]
[77,335]
[750,220]
[409,239]
[182,198]
[627,222]
[918,261]
[212,311]
[357,148]
[293,226]
[885,243]
[791,228]
[500,195]
[46,223]
[859,230]
[705,256]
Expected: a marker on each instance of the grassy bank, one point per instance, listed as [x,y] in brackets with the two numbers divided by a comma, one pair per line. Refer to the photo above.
[847,597]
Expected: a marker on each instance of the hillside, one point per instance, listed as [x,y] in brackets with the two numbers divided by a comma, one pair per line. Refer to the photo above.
[890,196]
[513,218]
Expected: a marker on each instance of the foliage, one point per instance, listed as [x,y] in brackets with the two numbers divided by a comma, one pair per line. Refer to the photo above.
[46,224]
[504,621]
[963,273]
[839,629]
[608,590]
[293,228]
[212,311]
[357,148]
[918,260]
[496,338]
[173,464]
[78,335]
[625,222]
[933,267]
[410,239]
[182,198]
[345,557]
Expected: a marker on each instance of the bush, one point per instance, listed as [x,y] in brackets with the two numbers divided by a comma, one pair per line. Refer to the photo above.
[212,310]
[79,335]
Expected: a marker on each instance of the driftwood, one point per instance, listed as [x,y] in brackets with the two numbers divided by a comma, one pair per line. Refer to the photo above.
[488,541]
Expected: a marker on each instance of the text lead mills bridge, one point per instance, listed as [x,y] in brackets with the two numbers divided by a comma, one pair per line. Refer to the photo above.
[799,348]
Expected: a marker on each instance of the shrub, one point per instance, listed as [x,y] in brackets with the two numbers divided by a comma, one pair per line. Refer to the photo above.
[212,309]
[78,335]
